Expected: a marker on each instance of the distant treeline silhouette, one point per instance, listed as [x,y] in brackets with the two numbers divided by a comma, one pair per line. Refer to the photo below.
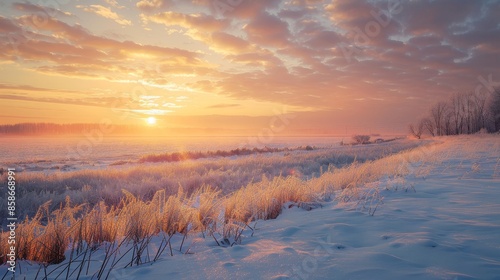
[66,129]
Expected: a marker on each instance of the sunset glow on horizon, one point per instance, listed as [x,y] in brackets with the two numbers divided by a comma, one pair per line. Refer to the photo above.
[304,66]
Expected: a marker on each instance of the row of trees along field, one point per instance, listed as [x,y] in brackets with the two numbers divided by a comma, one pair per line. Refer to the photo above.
[463,113]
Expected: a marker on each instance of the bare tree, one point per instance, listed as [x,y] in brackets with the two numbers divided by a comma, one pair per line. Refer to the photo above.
[469,112]
[437,117]
[480,112]
[494,109]
[448,121]
[416,130]
[457,101]
[429,126]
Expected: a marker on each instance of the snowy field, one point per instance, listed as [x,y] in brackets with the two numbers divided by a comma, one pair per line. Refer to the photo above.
[448,229]
[90,184]
[70,153]
[436,216]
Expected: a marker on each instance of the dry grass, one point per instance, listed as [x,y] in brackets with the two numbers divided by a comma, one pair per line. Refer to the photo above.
[264,200]
[144,180]
[99,225]
[46,236]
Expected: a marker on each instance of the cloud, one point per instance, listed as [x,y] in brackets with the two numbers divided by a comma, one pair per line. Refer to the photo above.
[37,9]
[92,101]
[106,13]
[241,9]
[262,58]
[439,17]
[8,26]
[194,21]
[223,105]
[154,5]
[114,3]
[224,42]
[73,50]
[11,87]
[93,97]
[268,30]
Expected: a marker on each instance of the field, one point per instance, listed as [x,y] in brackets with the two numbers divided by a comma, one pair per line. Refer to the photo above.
[89,184]
[426,207]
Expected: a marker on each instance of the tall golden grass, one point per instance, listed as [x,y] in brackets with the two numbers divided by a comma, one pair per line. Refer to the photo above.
[144,180]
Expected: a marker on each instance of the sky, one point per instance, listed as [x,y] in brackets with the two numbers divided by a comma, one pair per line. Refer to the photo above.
[274,66]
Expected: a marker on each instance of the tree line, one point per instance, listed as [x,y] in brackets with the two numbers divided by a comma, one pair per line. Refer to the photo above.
[462,113]
[61,129]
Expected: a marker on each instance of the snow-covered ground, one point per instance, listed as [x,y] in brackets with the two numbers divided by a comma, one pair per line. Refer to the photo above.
[442,221]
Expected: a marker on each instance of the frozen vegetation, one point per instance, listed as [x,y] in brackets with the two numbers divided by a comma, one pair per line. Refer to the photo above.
[399,210]
[227,174]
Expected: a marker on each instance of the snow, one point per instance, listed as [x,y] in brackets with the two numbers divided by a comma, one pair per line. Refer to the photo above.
[448,228]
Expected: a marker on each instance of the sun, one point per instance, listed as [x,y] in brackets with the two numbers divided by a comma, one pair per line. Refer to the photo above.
[151,120]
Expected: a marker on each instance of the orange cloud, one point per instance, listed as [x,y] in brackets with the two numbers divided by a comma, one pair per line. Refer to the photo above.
[106,13]
[225,42]
[195,21]
[72,50]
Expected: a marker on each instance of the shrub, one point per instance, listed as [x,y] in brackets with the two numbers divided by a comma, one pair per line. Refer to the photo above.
[361,139]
